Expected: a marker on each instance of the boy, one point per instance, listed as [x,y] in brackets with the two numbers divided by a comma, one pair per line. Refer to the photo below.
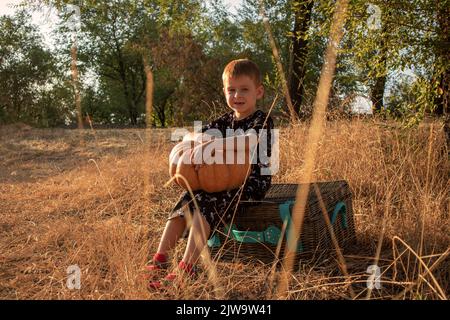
[242,87]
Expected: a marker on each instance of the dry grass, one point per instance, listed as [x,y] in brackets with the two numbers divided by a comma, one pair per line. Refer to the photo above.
[59,208]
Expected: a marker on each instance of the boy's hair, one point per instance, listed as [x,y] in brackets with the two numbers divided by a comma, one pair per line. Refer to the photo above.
[242,67]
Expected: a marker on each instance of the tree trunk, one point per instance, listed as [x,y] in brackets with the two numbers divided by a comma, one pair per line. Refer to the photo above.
[160,113]
[378,90]
[131,106]
[380,81]
[76,84]
[148,92]
[444,58]
[299,53]
[130,103]
[442,99]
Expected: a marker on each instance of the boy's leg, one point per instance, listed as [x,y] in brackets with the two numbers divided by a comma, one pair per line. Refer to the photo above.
[198,234]
[199,231]
[172,233]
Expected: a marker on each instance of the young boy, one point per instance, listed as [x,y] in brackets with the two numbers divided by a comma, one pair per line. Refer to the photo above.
[242,87]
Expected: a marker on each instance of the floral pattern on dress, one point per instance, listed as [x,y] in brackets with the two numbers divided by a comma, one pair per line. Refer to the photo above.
[219,207]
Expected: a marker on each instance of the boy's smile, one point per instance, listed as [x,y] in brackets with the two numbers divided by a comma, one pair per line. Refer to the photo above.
[241,94]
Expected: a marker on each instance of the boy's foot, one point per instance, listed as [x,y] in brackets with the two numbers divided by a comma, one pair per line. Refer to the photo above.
[166,282]
[169,280]
[156,268]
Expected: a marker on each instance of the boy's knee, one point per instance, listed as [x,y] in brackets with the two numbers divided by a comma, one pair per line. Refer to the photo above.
[177,221]
[201,223]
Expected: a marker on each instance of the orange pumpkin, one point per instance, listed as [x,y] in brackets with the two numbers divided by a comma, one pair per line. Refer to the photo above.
[208,177]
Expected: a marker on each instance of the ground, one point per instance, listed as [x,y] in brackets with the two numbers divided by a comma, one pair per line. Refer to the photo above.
[97,199]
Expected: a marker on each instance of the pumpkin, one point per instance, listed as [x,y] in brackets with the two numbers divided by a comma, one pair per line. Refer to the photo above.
[214,177]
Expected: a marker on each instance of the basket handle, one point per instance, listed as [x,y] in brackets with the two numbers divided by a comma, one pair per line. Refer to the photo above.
[272,234]
[339,208]
[285,214]
[342,209]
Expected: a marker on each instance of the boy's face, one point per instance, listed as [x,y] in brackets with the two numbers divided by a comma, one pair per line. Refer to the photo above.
[241,93]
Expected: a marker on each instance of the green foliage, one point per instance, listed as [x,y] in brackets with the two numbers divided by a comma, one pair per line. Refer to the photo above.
[32,88]
[119,33]
[411,101]
[411,36]
[187,44]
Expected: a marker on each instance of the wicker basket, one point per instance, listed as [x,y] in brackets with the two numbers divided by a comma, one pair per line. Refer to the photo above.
[258,226]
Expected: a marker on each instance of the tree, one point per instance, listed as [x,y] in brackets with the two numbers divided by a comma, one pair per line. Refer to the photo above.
[381,69]
[442,68]
[118,34]
[414,35]
[104,48]
[29,76]
[303,10]
[254,43]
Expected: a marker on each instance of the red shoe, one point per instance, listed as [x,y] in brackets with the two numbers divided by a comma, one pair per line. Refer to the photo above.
[170,279]
[166,282]
[158,265]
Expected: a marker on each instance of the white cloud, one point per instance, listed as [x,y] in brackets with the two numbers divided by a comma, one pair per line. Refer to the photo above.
[45,20]
[233,5]
[362,105]
[5,6]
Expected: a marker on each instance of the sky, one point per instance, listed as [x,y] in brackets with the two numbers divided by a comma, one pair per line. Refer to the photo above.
[45,21]
[232,5]
[4,6]
[41,20]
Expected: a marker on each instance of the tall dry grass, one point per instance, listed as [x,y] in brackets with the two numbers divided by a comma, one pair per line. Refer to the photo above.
[94,205]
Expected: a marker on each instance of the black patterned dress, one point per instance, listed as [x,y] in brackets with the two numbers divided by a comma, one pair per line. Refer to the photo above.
[219,207]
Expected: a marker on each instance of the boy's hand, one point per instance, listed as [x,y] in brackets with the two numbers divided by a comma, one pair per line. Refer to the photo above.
[205,153]
[198,158]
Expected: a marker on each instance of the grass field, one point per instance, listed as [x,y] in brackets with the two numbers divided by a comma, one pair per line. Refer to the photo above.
[97,199]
